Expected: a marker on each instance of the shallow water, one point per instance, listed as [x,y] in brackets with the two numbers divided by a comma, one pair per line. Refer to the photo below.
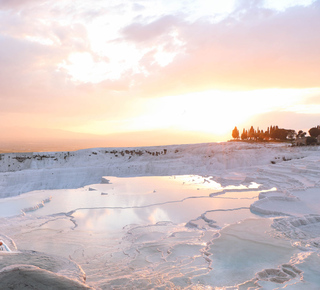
[169,231]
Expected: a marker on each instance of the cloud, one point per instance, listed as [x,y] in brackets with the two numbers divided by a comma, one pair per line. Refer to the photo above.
[22,60]
[315,100]
[161,54]
[139,32]
[34,92]
[288,120]
[138,7]
[31,51]
[248,5]
[11,4]
[251,50]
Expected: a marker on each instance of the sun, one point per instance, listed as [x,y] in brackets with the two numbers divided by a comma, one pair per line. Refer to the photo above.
[212,112]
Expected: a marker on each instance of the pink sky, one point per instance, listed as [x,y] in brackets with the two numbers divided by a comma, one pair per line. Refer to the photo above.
[194,68]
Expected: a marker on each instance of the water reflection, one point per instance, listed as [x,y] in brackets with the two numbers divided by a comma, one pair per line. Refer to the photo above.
[171,228]
[149,200]
[138,200]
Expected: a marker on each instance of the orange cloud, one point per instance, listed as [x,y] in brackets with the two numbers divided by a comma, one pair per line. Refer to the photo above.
[156,53]
[258,48]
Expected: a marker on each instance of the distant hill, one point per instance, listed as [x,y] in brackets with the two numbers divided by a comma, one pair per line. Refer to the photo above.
[23,139]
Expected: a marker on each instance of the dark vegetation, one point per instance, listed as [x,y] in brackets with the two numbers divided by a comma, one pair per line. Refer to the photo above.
[274,133]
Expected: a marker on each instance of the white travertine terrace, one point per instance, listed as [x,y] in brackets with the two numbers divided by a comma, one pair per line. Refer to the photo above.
[232,214]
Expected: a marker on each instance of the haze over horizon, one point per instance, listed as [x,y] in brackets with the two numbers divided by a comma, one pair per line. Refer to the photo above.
[138,73]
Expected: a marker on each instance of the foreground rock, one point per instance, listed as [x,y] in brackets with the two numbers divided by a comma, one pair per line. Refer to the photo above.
[34,270]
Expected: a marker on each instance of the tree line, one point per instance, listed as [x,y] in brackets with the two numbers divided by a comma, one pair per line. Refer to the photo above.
[275,133]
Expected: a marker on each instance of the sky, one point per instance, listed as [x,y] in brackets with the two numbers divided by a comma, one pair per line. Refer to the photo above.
[186,68]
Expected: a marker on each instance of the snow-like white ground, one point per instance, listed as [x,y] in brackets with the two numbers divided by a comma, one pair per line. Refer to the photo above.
[234,215]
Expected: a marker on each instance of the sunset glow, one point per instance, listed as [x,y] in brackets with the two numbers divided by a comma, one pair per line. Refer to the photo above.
[118,67]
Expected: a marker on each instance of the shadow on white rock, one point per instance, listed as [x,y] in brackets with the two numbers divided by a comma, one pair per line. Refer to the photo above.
[35,270]
[31,277]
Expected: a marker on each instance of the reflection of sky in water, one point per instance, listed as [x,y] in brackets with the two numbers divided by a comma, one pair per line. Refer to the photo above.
[246,244]
[182,212]
[165,227]
[139,200]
